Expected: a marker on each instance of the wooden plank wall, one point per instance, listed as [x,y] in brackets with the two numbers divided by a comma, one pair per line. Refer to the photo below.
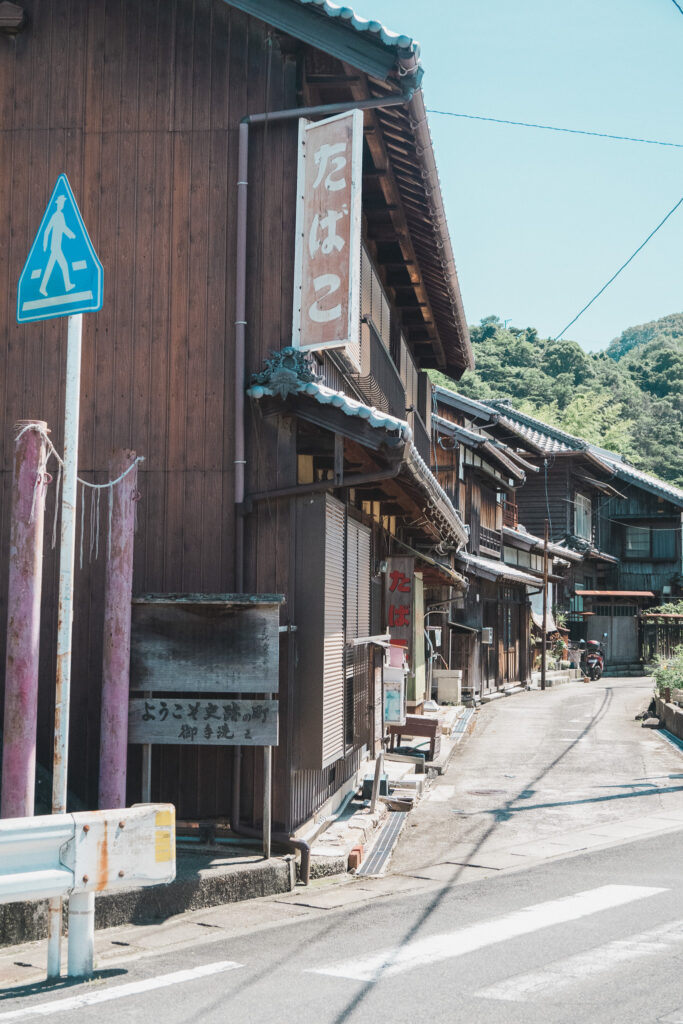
[139,101]
[533,509]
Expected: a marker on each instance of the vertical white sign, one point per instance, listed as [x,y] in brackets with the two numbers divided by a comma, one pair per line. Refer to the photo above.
[328,234]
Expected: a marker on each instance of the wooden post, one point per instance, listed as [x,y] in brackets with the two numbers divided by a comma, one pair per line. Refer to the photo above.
[118,591]
[379,765]
[544,642]
[23,621]
[267,799]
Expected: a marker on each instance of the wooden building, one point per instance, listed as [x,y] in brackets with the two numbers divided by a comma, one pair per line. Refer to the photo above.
[490,624]
[140,104]
[625,524]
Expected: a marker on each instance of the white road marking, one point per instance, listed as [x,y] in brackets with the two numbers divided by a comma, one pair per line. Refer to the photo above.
[133,988]
[446,946]
[559,973]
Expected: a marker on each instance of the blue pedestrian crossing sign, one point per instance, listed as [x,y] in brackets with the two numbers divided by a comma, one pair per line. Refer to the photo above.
[62,274]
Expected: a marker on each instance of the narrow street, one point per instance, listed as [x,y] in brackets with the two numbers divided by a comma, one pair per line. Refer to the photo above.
[540,768]
[575,813]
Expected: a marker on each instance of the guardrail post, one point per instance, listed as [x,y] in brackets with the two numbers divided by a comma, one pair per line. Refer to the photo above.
[81,934]
[118,588]
[23,621]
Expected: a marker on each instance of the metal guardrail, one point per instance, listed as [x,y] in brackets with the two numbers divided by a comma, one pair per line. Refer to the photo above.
[83,854]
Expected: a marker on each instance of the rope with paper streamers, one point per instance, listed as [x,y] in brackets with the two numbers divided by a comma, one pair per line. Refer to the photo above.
[43,477]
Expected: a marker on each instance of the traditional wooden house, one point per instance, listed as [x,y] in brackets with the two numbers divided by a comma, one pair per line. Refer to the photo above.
[489,625]
[189,131]
[626,525]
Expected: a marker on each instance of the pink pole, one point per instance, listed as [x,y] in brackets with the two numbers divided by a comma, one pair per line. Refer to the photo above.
[116,656]
[23,622]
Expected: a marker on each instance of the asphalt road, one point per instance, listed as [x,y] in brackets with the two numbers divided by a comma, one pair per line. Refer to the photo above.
[588,934]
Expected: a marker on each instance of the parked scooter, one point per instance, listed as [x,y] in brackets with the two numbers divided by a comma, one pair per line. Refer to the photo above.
[593,660]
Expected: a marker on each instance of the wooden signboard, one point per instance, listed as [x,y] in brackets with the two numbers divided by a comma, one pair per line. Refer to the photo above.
[196,722]
[205,643]
[328,232]
[399,593]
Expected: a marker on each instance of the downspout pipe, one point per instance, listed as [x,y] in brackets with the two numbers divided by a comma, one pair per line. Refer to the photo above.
[290,114]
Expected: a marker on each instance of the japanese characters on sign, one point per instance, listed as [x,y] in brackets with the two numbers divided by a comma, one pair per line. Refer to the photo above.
[190,720]
[328,233]
[399,598]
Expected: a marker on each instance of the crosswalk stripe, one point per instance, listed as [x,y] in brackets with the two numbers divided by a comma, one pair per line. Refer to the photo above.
[585,965]
[446,946]
[133,988]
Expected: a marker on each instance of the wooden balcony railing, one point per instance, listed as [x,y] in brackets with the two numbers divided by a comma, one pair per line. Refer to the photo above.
[489,539]
[510,514]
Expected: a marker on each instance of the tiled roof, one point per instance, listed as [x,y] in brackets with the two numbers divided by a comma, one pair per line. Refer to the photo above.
[498,569]
[439,501]
[552,440]
[541,435]
[476,410]
[349,406]
[372,28]
[537,543]
[635,476]
[467,436]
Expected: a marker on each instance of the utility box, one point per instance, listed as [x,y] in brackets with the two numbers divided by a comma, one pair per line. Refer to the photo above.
[487,635]
[448,685]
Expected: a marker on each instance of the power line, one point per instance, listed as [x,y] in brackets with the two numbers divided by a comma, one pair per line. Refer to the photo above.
[677,5]
[622,267]
[554,128]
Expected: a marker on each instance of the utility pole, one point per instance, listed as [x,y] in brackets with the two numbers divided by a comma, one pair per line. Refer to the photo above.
[544,641]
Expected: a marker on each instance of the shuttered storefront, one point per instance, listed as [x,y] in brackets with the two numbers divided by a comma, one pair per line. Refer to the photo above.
[333,633]
[333,602]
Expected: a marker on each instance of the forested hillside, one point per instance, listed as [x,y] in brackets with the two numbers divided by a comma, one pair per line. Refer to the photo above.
[628,398]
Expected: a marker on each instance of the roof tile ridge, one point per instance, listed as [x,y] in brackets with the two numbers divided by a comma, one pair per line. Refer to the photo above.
[502,406]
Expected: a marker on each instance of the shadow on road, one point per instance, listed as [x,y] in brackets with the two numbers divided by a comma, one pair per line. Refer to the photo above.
[501,814]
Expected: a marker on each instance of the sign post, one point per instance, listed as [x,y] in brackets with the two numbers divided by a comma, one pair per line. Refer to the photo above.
[62,276]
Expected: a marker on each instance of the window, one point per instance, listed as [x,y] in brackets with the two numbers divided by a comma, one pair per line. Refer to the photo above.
[644,542]
[582,516]
[508,640]
[637,542]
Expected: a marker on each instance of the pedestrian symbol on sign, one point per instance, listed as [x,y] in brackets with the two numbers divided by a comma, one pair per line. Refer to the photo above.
[62,274]
[56,228]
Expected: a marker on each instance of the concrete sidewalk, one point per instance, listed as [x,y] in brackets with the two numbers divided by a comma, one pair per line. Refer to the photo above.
[232,871]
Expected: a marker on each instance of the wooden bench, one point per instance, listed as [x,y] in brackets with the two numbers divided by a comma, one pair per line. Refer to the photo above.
[417,725]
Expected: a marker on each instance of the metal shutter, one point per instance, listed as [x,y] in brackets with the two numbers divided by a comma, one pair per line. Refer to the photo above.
[363,603]
[358,545]
[333,656]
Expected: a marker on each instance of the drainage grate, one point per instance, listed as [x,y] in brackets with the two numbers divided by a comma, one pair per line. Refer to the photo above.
[463,721]
[375,863]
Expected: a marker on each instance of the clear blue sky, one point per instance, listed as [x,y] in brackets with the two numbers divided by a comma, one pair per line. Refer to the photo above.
[539,221]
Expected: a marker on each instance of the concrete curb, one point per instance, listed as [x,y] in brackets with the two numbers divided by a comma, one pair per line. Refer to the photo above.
[194,887]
